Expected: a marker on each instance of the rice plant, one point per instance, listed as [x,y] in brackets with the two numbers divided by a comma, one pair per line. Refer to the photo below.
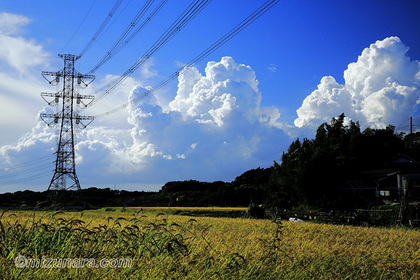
[164,246]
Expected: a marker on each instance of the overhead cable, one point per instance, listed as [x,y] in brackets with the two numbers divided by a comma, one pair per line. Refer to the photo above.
[31,162]
[126,37]
[77,29]
[224,39]
[114,19]
[18,173]
[28,178]
[101,27]
[25,171]
[186,17]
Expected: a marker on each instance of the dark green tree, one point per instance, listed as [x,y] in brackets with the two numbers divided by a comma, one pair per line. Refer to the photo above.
[316,170]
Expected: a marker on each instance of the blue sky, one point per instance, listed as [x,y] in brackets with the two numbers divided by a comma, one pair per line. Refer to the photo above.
[300,64]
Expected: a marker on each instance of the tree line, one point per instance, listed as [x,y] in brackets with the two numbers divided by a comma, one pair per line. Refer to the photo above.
[311,174]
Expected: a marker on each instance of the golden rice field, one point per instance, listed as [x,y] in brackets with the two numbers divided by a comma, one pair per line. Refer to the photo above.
[187,209]
[135,245]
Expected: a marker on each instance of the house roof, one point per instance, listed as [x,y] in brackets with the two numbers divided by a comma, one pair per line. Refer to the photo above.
[400,164]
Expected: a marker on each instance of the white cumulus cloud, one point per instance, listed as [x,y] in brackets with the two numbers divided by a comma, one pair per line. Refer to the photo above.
[381,88]
[228,90]
[18,52]
[12,24]
[20,79]
[213,129]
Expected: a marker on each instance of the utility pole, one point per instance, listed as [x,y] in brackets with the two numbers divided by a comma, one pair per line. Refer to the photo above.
[411,125]
[402,183]
[66,119]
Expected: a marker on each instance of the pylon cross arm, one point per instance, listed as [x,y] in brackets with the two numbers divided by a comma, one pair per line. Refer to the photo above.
[55,80]
[45,115]
[67,117]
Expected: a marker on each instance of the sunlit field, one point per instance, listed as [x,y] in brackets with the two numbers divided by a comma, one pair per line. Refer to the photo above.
[137,244]
[186,209]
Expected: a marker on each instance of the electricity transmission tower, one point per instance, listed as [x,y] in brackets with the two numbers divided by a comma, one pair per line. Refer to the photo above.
[66,119]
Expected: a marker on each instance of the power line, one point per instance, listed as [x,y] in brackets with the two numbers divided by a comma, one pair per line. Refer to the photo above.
[408,127]
[115,18]
[122,41]
[402,127]
[77,29]
[26,179]
[224,39]
[101,28]
[192,10]
[27,170]
[32,162]
[6,175]
[189,14]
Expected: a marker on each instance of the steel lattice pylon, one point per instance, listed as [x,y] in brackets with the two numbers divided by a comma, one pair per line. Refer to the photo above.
[66,120]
